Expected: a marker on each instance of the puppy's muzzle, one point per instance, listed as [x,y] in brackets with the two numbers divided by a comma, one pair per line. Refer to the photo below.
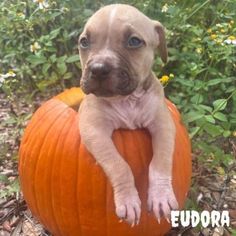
[107,77]
[99,70]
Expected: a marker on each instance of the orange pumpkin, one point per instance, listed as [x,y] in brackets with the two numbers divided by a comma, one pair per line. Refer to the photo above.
[65,188]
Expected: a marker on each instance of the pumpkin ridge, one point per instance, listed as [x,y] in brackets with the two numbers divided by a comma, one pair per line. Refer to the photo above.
[132,162]
[73,132]
[25,141]
[77,175]
[85,161]
[57,213]
[30,193]
[55,158]
[64,165]
[31,128]
[182,135]
[144,163]
[96,190]
[40,157]
[38,116]
[187,150]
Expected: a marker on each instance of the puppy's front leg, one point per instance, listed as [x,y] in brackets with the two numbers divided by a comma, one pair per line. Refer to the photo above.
[161,198]
[96,132]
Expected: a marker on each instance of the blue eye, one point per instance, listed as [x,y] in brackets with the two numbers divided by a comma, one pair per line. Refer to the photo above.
[135,42]
[84,43]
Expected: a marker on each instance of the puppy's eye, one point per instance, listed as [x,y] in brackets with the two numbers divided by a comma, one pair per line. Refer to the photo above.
[135,42]
[84,43]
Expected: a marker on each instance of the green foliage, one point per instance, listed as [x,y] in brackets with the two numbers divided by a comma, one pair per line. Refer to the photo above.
[39,51]
[11,186]
[202,46]
[39,45]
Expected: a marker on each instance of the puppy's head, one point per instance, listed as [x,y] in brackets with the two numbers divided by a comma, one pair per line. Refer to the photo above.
[117,49]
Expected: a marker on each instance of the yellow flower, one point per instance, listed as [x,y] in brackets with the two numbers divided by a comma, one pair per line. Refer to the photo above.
[171,76]
[34,47]
[209,30]
[222,31]
[11,73]
[65,9]
[21,15]
[213,36]
[199,50]
[165,8]
[219,25]
[231,40]
[164,79]
[231,22]
[234,133]
[231,37]
[218,41]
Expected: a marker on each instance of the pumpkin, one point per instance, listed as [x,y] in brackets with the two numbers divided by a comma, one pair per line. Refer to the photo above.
[65,188]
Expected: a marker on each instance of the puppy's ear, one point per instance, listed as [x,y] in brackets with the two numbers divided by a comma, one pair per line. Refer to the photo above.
[162,48]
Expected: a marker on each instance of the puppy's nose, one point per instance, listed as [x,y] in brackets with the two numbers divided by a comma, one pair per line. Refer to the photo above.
[100,70]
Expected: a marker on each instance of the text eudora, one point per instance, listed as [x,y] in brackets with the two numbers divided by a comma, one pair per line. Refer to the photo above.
[206,218]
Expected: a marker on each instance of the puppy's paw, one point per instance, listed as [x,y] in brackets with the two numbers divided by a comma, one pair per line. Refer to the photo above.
[161,199]
[128,206]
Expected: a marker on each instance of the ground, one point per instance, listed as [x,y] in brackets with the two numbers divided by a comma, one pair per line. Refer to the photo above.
[212,189]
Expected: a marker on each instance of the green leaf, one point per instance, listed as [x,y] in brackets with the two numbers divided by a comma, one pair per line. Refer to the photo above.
[218,81]
[210,119]
[207,108]
[68,75]
[192,116]
[51,49]
[3,179]
[54,15]
[220,116]
[220,104]
[14,187]
[88,12]
[45,68]
[36,59]
[72,59]
[53,58]
[198,98]
[61,59]
[42,85]
[213,130]
[62,68]
[214,82]
[53,34]
[230,89]
[194,131]
[226,133]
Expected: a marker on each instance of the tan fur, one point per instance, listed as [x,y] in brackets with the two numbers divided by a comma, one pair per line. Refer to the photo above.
[143,107]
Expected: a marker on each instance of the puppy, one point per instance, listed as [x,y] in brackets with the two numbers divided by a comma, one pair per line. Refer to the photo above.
[117,49]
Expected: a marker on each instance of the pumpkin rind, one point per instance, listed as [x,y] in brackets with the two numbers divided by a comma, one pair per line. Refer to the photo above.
[65,188]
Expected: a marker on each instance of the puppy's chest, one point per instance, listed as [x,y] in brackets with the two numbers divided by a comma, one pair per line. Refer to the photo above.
[131,114]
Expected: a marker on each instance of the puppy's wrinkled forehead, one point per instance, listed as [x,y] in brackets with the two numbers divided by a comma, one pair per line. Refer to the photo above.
[117,19]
